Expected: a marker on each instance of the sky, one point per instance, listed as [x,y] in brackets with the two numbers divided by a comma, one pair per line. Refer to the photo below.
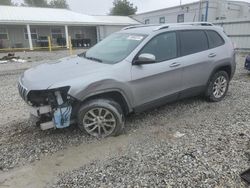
[102,7]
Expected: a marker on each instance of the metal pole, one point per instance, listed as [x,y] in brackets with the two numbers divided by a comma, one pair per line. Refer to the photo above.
[29,37]
[200,10]
[67,36]
[49,42]
[207,6]
[70,46]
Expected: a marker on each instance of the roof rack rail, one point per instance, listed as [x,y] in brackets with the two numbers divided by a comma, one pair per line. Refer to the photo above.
[139,25]
[165,26]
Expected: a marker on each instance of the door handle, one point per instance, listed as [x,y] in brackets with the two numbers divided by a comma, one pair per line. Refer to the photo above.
[174,65]
[212,55]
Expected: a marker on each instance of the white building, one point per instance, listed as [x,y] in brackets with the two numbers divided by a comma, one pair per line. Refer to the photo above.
[204,10]
[29,27]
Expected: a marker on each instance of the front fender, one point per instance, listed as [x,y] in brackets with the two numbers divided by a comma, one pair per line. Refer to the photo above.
[103,86]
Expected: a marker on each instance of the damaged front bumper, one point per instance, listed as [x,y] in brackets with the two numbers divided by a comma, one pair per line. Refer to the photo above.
[49,118]
[52,108]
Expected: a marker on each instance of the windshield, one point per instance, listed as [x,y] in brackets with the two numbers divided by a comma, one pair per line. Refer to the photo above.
[114,48]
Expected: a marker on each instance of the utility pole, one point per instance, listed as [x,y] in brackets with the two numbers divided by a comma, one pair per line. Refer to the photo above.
[180,2]
[200,11]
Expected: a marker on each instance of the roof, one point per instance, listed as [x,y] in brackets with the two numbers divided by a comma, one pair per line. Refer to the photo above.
[167,8]
[35,15]
[188,4]
[117,19]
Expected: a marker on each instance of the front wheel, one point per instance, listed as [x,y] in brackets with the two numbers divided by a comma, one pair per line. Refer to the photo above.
[218,86]
[101,118]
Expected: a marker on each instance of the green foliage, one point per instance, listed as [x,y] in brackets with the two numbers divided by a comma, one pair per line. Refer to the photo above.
[45,3]
[59,4]
[5,2]
[36,3]
[123,8]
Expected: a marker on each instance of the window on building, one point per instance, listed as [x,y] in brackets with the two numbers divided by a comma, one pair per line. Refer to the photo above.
[193,41]
[162,20]
[79,36]
[202,17]
[3,33]
[147,21]
[214,39]
[56,33]
[163,47]
[180,18]
[33,32]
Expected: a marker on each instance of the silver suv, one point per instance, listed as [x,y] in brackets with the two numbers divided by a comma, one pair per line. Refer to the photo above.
[132,70]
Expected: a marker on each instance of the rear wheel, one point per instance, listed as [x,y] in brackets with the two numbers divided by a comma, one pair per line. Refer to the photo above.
[101,118]
[218,86]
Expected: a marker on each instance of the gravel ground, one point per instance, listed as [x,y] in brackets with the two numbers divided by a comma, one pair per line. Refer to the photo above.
[33,58]
[190,143]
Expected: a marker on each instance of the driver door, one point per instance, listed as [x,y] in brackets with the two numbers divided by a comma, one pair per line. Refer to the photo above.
[161,81]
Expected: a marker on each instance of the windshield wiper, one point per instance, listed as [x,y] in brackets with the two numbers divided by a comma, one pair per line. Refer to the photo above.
[94,59]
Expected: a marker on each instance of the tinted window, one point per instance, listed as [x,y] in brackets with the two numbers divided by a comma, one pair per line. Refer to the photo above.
[215,39]
[163,47]
[193,42]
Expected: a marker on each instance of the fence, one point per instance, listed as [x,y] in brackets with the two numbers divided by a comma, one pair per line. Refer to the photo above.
[238,31]
[50,47]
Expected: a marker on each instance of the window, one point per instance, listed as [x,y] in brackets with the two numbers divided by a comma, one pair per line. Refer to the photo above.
[214,39]
[33,32]
[193,41]
[115,47]
[163,47]
[56,33]
[4,33]
[79,36]
[162,20]
[147,21]
[203,18]
[180,18]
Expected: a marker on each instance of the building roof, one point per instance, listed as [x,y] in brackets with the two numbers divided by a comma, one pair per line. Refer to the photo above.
[167,8]
[34,15]
[188,4]
[126,20]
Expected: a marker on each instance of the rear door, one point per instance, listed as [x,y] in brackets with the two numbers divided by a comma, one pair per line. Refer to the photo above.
[196,59]
[162,78]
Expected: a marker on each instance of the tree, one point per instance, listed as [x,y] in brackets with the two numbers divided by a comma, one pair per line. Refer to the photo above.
[6,2]
[36,3]
[59,4]
[123,8]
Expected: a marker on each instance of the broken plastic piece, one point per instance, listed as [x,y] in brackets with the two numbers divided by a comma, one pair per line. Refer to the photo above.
[63,112]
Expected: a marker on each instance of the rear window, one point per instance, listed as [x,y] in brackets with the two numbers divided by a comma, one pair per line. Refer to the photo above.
[193,41]
[214,39]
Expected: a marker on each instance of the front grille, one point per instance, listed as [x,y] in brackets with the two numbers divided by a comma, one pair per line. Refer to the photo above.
[22,91]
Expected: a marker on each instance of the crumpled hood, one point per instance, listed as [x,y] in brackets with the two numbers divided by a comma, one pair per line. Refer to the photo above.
[46,75]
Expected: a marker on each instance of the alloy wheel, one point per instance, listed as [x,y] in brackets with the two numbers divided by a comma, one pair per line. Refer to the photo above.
[99,122]
[220,87]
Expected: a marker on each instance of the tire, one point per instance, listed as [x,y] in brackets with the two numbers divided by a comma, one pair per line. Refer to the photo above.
[217,79]
[101,118]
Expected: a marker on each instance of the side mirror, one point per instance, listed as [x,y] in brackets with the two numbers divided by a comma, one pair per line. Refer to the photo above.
[144,59]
